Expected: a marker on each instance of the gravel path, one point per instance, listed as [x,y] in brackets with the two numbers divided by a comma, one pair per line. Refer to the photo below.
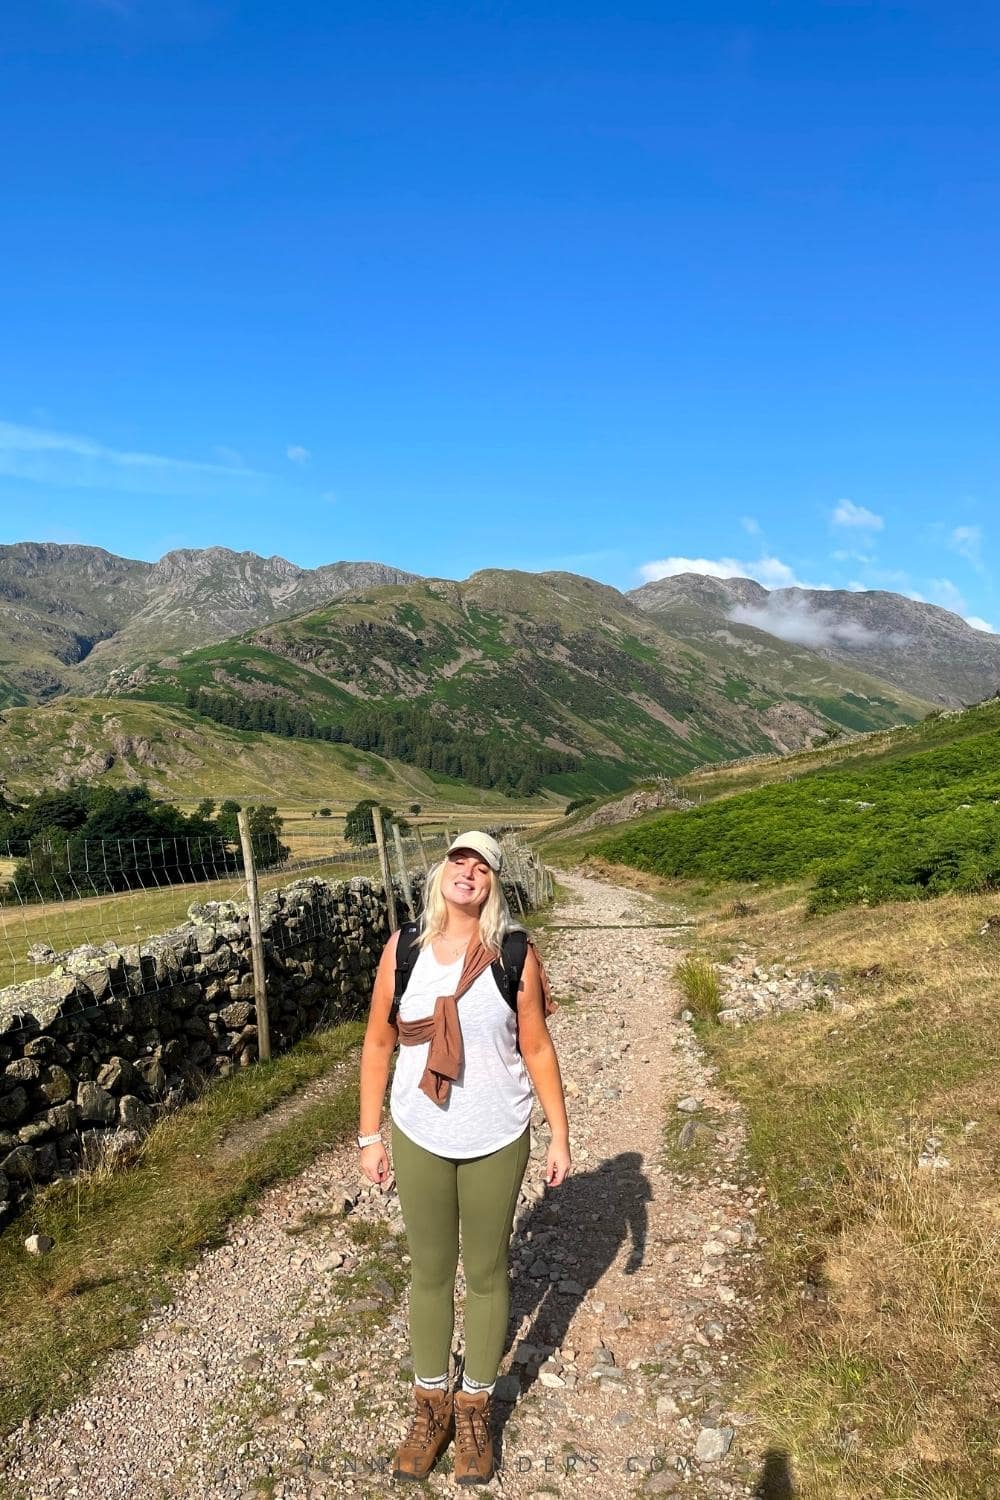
[280,1367]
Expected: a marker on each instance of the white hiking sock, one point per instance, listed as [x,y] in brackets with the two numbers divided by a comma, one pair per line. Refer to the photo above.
[438,1383]
[473,1387]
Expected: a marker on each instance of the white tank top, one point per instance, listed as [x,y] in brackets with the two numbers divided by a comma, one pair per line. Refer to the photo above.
[489,1104]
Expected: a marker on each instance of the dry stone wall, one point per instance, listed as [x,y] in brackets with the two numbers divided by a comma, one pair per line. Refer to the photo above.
[91,1055]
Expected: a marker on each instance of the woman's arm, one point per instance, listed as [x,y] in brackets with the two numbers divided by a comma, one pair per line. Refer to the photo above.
[376,1053]
[543,1069]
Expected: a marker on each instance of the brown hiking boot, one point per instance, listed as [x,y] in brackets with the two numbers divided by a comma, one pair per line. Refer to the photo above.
[429,1431]
[473,1442]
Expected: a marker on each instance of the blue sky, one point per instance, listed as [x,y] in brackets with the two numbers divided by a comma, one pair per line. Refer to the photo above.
[612,288]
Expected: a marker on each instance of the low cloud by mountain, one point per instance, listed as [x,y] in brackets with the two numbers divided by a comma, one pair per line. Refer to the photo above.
[795,619]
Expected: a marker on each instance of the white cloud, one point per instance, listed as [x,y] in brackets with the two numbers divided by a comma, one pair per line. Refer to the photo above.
[770,571]
[798,621]
[967,541]
[847,513]
[66,459]
[297,453]
[750,525]
[945,593]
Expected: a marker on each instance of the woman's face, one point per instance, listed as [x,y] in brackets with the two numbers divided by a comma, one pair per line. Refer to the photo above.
[465,881]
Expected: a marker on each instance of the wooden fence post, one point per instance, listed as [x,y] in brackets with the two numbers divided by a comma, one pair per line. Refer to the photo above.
[383,859]
[404,874]
[256,941]
[420,846]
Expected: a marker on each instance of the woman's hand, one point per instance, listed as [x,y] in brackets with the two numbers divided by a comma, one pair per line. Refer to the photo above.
[375,1163]
[557,1165]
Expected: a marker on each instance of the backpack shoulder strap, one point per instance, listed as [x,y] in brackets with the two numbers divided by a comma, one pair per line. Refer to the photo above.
[509,967]
[406,957]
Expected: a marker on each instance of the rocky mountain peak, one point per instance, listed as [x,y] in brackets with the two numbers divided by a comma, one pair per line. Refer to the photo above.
[921,647]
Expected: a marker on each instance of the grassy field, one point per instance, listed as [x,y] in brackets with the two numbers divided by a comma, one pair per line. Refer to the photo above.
[878,1363]
[938,728]
[317,848]
[135,916]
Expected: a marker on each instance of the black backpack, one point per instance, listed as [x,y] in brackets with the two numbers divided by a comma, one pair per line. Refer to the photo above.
[507,969]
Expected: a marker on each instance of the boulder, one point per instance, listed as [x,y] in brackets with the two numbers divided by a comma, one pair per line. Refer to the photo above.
[118,1076]
[48,1049]
[694,1133]
[56,1084]
[713,1443]
[18,1164]
[236,1015]
[13,1106]
[95,1104]
[61,1118]
[152,1073]
[23,1070]
[133,1114]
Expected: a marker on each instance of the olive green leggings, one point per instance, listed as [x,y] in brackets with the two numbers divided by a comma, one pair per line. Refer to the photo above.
[438,1194]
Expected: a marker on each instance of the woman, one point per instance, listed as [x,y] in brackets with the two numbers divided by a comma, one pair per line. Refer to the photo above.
[460,1107]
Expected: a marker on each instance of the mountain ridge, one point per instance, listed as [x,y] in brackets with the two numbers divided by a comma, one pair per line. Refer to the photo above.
[72,615]
[919,647]
[547,662]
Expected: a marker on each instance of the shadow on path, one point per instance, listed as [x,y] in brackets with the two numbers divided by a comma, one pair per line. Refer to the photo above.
[588,1219]
[776,1482]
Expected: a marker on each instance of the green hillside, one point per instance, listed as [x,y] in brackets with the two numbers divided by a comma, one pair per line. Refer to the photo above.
[542,663]
[183,756]
[907,818]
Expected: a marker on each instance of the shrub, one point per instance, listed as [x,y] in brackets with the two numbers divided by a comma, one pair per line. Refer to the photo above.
[699,984]
[896,829]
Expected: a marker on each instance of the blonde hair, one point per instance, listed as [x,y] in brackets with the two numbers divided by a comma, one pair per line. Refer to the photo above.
[495,919]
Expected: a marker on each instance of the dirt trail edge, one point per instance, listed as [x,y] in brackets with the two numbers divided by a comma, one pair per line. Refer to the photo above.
[280,1367]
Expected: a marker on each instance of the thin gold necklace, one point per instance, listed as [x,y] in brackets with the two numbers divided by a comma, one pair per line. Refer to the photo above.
[455,945]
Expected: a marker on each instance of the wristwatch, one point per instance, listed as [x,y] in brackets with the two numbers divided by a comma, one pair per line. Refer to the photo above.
[369,1140]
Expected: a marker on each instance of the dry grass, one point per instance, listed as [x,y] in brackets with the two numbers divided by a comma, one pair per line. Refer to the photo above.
[876,1363]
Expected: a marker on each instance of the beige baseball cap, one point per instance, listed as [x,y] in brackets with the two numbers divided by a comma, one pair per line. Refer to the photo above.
[482,843]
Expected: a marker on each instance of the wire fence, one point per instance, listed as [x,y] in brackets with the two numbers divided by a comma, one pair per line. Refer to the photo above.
[79,908]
